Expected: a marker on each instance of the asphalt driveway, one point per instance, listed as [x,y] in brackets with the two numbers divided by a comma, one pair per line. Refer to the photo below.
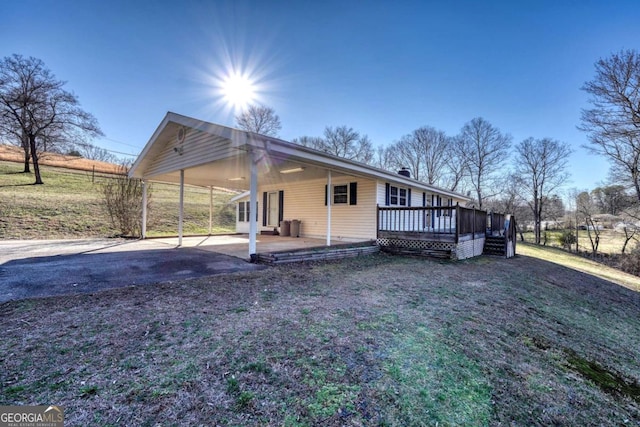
[38,268]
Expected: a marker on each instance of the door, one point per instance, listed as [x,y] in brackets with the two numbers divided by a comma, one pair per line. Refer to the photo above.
[273,212]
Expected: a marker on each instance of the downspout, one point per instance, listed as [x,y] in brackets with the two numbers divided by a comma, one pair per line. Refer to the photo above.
[329,207]
[181,213]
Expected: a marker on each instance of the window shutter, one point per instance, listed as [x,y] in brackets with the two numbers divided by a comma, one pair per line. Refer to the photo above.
[387,191]
[264,208]
[280,206]
[353,193]
[326,194]
[409,197]
[424,199]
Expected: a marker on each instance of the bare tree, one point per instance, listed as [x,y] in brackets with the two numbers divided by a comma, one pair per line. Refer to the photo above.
[383,159]
[613,122]
[35,107]
[540,169]
[93,152]
[510,201]
[587,209]
[310,141]
[343,141]
[259,119]
[456,167]
[611,199]
[406,153]
[483,149]
[629,226]
[423,152]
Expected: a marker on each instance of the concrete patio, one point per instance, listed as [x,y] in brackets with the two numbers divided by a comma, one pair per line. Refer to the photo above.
[237,245]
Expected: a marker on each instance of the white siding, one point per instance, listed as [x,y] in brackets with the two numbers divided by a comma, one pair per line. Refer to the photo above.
[443,220]
[198,148]
[304,201]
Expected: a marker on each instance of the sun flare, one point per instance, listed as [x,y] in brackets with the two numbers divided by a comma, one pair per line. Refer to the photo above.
[238,90]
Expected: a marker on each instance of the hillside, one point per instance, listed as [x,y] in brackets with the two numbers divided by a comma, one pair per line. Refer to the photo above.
[70,205]
[11,153]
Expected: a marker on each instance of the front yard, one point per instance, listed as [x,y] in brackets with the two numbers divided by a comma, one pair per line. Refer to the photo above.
[378,340]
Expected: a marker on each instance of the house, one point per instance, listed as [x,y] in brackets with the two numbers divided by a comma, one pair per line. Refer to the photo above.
[332,198]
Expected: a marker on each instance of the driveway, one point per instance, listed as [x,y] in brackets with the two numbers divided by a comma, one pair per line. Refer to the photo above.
[38,268]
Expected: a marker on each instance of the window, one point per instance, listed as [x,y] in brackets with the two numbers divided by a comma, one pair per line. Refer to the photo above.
[393,200]
[244,211]
[340,194]
[403,197]
[343,194]
[398,196]
[241,210]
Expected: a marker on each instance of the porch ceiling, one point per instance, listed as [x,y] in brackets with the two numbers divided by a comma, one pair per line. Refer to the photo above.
[234,172]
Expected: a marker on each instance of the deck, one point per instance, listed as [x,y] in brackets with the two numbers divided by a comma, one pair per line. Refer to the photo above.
[447,232]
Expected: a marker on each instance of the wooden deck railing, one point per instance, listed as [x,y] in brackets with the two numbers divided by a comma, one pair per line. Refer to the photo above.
[426,219]
[496,223]
[454,221]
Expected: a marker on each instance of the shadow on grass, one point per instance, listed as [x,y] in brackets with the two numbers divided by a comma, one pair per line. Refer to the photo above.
[18,185]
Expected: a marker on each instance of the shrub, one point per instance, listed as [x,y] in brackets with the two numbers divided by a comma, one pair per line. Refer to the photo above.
[567,238]
[630,261]
[123,202]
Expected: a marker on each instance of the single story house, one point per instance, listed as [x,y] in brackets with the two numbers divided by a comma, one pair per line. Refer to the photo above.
[332,198]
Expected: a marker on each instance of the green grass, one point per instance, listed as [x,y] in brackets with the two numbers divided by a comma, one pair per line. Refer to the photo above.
[611,241]
[379,340]
[428,382]
[585,265]
[70,205]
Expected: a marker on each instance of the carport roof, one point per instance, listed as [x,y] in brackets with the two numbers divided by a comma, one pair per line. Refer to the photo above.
[215,155]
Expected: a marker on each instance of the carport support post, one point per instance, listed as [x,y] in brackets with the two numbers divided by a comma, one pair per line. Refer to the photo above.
[210,209]
[253,203]
[181,214]
[143,231]
[329,208]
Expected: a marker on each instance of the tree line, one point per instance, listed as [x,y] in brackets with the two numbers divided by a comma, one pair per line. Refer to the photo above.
[475,162]
[483,162]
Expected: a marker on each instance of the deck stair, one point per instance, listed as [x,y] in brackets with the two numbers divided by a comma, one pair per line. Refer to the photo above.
[495,245]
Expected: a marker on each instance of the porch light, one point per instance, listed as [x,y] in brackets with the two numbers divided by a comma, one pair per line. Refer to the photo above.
[239,178]
[292,170]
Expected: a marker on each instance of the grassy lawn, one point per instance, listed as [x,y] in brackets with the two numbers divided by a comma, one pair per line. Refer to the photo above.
[70,205]
[379,340]
[611,241]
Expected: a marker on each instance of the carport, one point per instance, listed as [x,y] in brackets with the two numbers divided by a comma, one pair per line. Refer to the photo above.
[193,152]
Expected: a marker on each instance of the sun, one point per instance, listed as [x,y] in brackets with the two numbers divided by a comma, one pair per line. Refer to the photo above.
[238,90]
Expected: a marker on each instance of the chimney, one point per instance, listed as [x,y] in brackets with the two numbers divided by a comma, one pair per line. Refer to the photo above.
[404,172]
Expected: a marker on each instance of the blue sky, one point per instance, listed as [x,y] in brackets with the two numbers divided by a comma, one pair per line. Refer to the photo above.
[384,68]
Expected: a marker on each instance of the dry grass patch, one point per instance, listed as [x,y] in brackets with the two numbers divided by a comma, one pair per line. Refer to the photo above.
[70,205]
[378,340]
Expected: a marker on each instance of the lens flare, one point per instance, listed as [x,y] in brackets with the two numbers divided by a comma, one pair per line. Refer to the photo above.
[238,90]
